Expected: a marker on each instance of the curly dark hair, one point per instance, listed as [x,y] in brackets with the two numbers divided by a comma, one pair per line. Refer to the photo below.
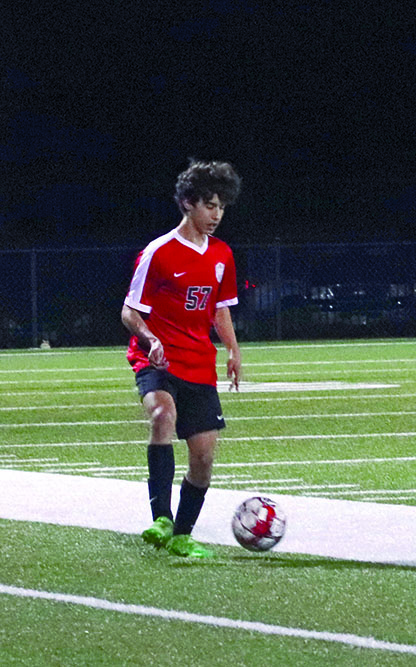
[202,180]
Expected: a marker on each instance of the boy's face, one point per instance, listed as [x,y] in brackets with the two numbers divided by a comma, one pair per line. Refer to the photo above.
[205,216]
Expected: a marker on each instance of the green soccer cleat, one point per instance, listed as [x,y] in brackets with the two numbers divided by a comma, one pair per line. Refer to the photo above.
[159,532]
[185,545]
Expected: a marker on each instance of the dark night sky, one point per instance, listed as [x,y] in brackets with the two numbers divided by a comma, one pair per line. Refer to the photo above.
[102,103]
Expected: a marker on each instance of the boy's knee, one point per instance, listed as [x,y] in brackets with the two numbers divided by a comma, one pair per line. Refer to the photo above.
[200,468]
[163,414]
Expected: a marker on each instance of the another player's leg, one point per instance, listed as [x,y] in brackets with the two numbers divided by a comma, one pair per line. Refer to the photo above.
[195,484]
[161,410]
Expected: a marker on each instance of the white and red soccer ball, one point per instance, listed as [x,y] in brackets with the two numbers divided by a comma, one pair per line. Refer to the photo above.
[258,524]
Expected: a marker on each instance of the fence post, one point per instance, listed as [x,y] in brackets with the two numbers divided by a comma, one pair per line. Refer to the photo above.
[278,287]
[34,297]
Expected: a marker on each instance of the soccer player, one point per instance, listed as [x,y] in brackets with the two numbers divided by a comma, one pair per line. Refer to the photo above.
[183,285]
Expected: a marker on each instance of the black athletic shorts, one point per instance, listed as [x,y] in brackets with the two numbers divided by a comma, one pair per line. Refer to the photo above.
[198,406]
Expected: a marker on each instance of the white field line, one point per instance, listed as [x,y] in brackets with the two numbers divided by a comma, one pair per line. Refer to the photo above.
[251,377]
[106,504]
[126,372]
[91,443]
[308,462]
[110,475]
[93,467]
[280,480]
[397,494]
[386,498]
[339,436]
[263,488]
[328,415]
[332,346]
[227,398]
[87,369]
[362,495]
[333,373]
[80,467]
[53,465]
[248,376]
[265,464]
[63,466]
[112,422]
[61,381]
[279,484]
[389,342]
[372,492]
[329,362]
[75,423]
[13,460]
[215,480]
[86,466]
[346,436]
[133,404]
[266,483]
[223,387]
[249,364]
[82,392]
[243,476]
[71,406]
[216,621]
[234,398]
[133,469]
[231,398]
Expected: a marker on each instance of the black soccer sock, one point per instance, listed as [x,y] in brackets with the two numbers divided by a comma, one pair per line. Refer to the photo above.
[190,505]
[161,464]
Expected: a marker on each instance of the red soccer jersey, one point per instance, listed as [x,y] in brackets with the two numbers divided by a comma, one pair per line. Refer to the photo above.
[180,285]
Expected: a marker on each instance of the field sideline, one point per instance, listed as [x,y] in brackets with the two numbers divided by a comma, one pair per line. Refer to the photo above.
[106,504]
[326,427]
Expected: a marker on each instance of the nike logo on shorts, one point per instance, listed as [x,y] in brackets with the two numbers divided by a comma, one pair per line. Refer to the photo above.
[177,275]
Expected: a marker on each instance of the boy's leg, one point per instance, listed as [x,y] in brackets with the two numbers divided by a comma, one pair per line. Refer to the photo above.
[161,465]
[192,496]
[161,410]
[201,448]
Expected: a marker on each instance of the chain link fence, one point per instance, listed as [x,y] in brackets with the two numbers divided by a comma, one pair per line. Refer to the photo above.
[73,297]
[328,290]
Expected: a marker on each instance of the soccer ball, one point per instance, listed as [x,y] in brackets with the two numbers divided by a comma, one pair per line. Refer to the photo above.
[258,524]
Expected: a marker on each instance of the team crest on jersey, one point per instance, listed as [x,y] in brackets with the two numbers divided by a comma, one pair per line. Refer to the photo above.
[219,271]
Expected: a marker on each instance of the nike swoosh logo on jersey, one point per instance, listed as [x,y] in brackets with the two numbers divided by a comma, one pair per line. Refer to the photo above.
[176,275]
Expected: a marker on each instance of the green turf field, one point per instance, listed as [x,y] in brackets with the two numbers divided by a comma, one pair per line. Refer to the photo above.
[76,412]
